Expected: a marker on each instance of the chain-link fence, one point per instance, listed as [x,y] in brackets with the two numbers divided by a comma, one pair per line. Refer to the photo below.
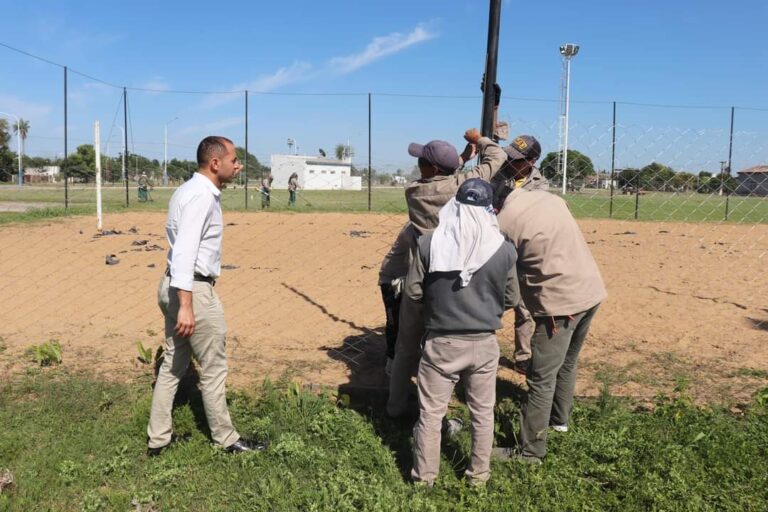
[687,284]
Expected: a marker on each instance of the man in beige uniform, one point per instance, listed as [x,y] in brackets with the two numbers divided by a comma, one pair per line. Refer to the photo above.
[561,285]
[438,163]
[464,273]
[520,171]
[194,317]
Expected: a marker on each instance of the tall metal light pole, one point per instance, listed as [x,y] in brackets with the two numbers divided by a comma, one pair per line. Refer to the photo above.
[18,143]
[165,158]
[568,51]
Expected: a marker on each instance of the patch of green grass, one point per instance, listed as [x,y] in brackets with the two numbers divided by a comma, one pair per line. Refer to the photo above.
[145,353]
[76,443]
[755,373]
[46,354]
[39,214]
[653,206]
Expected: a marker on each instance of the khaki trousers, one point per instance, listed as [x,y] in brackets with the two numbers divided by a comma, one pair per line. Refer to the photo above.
[207,346]
[407,354]
[446,360]
[524,327]
[556,345]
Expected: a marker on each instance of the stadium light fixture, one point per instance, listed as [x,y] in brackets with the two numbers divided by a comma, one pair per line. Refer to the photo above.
[568,51]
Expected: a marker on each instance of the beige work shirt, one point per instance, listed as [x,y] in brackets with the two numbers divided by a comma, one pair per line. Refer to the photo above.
[558,275]
[425,197]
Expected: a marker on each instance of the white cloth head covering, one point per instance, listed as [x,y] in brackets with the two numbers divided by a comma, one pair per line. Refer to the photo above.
[465,239]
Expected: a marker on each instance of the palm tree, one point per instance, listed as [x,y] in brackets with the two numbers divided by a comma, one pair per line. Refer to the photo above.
[22,129]
[343,151]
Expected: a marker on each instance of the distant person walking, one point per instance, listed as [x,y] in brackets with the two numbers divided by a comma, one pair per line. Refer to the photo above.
[266,191]
[293,186]
[143,187]
[194,317]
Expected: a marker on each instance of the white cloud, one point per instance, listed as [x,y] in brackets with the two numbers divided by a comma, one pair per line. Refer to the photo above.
[301,71]
[296,72]
[156,85]
[381,47]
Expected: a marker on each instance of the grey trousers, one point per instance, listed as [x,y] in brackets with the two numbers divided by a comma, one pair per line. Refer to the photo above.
[207,345]
[407,355]
[555,347]
[446,360]
[524,328]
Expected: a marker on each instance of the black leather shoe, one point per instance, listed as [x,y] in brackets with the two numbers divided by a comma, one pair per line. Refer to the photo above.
[154,452]
[245,445]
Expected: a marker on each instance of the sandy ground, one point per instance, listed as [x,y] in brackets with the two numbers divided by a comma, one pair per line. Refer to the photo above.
[688,302]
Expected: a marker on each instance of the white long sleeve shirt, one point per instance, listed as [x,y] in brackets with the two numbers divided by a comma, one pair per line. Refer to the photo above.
[194,229]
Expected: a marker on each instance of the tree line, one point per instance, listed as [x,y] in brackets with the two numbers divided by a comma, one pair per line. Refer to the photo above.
[81,165]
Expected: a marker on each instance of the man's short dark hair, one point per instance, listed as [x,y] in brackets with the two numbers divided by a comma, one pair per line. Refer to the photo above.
[211,147]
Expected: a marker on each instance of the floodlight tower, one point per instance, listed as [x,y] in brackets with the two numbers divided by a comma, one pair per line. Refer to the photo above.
[568,51]
[291,143]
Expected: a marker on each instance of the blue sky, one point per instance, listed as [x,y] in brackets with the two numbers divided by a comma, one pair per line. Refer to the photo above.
[690,53]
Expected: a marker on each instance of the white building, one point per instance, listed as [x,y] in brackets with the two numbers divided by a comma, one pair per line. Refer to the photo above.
[315,172]
[46,174]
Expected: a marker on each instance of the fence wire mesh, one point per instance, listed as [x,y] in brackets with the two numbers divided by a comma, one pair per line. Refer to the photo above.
[672,200]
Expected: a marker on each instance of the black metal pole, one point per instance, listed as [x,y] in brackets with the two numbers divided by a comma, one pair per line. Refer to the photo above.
[369,151]
[491,59]
[637,198]
[613,159]
[245,164]
[125,143]
[730,156]
[64,164]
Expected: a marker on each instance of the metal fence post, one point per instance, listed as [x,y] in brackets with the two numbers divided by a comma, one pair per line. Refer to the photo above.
[125,143]
[245,164]
[613,159]
[64,164]
[369,151]
[730,155]
[637,198]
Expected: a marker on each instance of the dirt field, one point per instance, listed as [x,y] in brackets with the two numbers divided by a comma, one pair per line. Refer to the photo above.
[688,302]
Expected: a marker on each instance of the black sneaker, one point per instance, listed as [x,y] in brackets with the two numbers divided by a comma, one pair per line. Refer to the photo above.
[154,452]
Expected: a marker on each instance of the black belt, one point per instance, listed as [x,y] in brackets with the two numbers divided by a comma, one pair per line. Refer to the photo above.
[197,277]
[205,279]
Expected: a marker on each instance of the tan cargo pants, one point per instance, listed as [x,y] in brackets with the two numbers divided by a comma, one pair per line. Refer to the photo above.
[207,345]
[444,361]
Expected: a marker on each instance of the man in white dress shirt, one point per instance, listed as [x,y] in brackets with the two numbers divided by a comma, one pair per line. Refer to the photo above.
[194,317]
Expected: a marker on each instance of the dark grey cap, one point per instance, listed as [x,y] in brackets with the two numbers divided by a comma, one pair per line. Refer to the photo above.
[524,147]
[439,153]
[475,192]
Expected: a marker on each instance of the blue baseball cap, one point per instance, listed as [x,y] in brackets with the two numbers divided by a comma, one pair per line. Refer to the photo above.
[475,192]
